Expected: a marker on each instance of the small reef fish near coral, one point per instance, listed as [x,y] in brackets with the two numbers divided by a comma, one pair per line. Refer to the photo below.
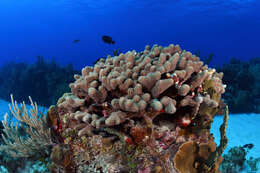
[249,146]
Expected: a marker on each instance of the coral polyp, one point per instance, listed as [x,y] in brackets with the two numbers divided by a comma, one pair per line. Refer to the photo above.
[148,111]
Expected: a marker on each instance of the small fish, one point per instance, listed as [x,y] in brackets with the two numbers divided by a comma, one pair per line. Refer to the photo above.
[108,39]
[76,41]
[249,146]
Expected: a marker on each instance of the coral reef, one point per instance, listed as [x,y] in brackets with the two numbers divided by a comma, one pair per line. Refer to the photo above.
[23,80]
[241,96]
[140,112]
[235,161]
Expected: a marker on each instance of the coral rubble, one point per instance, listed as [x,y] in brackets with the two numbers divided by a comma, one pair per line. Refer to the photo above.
[140,112]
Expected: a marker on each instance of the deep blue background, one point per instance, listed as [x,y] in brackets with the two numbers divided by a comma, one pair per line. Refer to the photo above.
[227,28]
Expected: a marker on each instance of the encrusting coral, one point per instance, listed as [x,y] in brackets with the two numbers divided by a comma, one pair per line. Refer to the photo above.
[140,112]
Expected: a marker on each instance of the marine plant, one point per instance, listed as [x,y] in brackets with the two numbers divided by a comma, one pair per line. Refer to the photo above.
[37,141]
[27,143]
[148,111]
[116,52]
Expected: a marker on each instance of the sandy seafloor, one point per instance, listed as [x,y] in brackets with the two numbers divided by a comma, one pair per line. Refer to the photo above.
[242,129]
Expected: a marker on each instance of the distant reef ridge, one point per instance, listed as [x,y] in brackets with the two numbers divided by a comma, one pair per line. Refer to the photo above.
[243,85]
[44,81]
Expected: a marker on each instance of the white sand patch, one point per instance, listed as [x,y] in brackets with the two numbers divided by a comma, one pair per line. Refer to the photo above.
[242,129]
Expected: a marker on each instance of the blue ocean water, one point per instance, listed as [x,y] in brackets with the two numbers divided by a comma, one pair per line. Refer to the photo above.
[48,28]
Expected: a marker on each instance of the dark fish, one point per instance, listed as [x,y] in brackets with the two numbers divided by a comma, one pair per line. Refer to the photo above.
[249,146]
[76,41]
[108,39]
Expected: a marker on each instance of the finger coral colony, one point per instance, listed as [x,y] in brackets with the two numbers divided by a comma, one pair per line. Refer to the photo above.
[140,112]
